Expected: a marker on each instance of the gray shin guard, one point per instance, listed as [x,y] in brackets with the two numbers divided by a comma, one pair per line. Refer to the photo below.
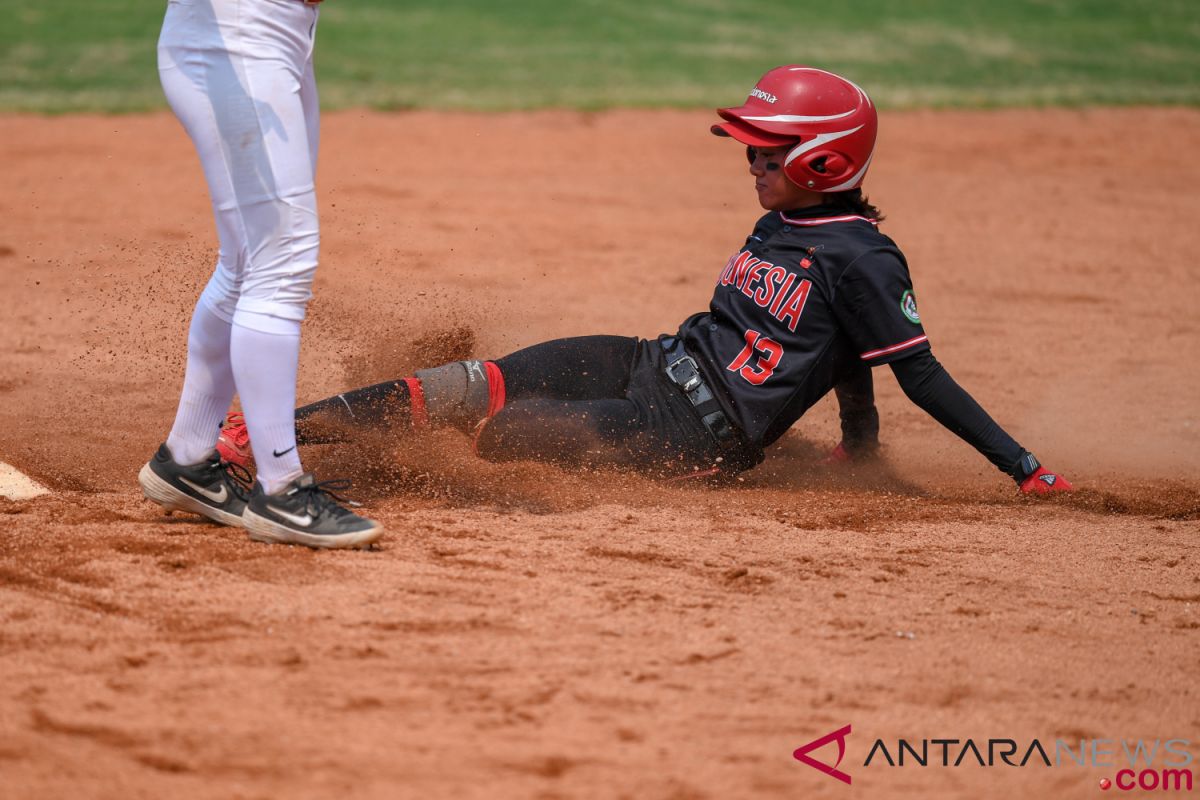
[456,393]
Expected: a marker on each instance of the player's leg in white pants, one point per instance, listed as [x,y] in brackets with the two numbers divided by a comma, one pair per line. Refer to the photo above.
[238,74]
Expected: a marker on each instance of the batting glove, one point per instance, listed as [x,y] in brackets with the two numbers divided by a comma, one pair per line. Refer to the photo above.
[844,454]
[1043,481]
[838,455]
[1033,478]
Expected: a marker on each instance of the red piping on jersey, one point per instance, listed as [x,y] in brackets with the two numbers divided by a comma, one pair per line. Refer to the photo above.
[495,388]
[883,351]
[824,220]
[416,403]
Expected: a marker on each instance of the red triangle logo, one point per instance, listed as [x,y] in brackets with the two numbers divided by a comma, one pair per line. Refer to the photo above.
[801,753]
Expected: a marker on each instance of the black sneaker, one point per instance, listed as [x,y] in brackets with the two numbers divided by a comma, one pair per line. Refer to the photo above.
[211,488]
[307,513]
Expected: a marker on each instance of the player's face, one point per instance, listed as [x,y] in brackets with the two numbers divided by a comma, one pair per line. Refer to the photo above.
[775,191]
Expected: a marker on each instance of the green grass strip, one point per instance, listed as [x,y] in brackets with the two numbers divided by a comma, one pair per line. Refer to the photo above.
[99,55]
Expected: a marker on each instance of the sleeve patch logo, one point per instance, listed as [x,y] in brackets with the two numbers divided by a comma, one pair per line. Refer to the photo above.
[908,305]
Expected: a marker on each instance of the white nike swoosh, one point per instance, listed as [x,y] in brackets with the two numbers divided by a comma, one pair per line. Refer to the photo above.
[216,497]
[303,522]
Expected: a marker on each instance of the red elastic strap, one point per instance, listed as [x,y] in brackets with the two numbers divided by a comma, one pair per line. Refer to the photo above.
[495,388]
[416,403]
[475,434]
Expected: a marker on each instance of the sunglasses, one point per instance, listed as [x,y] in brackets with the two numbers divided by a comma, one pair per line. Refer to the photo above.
[752,155]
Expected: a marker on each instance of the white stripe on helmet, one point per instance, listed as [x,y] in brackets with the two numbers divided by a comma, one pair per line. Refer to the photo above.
[799,118]
[815,142]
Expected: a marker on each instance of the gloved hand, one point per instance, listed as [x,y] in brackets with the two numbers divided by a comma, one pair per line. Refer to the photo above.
[1043,481]
[838,455]
[1033,478]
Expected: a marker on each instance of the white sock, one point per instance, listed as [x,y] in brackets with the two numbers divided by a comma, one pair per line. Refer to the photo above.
[266,357]
[207,388]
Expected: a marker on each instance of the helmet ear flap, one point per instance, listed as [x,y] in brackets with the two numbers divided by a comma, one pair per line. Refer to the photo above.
[826,163]
[819,165]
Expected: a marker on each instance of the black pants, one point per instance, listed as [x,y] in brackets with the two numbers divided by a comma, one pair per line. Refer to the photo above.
[596,400]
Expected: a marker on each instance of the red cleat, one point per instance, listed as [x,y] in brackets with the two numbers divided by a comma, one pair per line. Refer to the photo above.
[234,442]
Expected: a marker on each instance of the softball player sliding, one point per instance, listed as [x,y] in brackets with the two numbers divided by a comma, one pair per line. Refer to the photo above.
[239,75]
[812,300]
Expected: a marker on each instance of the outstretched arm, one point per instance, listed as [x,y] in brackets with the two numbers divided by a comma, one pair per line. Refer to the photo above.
[860,419]
[929,385]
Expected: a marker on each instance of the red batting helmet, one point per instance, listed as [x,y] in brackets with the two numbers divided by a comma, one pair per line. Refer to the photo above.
[830,121]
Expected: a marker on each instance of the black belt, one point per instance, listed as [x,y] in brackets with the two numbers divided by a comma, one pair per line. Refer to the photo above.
[684,373]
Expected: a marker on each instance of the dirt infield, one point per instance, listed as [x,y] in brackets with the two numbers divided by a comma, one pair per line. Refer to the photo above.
[525,632]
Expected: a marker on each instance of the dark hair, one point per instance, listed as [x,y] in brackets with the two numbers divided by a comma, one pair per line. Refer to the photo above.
[855,202]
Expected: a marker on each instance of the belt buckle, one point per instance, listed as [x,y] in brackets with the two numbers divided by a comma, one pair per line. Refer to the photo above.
[693,382]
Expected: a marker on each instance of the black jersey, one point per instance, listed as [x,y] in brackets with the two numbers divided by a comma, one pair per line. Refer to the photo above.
[810,293]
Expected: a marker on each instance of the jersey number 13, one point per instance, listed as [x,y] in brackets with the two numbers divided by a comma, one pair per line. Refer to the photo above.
[769,353]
